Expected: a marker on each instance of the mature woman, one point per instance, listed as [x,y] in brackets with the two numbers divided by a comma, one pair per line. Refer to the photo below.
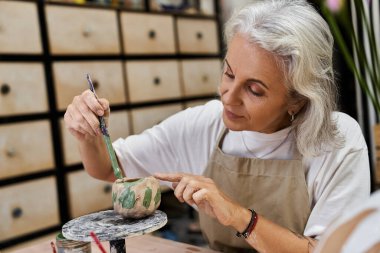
[271,160]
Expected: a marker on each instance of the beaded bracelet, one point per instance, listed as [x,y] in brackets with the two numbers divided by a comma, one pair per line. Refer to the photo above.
[251,225]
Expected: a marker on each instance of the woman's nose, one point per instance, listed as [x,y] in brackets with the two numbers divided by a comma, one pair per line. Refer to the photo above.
[230,94]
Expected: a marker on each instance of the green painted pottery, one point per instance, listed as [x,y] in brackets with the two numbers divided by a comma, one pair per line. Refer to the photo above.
[136,197]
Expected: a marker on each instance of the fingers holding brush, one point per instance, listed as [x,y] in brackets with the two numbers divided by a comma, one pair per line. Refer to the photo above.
[81,117]
[93,103]
[76,123]
[99,106]
[106,107]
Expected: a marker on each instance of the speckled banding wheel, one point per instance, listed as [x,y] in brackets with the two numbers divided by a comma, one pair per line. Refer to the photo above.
[112,227]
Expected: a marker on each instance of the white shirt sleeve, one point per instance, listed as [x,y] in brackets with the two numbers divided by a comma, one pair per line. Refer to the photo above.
[338,180]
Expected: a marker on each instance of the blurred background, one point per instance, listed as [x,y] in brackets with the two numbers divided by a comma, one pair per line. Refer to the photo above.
[150,59]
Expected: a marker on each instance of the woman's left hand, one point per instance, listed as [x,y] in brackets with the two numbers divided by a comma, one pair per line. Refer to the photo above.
[202,192]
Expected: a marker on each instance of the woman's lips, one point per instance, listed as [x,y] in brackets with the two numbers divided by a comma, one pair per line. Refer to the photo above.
[231,115]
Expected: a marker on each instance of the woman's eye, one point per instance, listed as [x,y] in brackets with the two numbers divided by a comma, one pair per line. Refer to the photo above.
[255,92]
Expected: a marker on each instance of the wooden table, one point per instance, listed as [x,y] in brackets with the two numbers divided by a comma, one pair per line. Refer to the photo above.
[138,244]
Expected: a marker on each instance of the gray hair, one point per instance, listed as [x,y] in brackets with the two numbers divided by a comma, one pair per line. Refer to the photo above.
[302,43]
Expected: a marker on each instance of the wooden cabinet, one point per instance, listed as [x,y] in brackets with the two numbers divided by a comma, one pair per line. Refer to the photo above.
[147,33]
[22,88]
[144,118]
[153,80]
[195,103]
[197,36]
[25,148]
[82,31]
[27,207]
[19,29]
[201,76]
[70,81]
[86,194]
[148,65]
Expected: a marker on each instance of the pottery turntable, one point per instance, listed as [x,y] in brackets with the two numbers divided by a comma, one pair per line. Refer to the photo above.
[112,227]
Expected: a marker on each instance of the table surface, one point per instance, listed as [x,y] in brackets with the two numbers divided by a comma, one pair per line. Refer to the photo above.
[138,244]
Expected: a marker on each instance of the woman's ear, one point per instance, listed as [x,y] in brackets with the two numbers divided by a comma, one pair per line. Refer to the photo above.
[296,106]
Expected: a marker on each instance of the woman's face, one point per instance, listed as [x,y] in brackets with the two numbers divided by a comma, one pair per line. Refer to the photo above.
[253,89]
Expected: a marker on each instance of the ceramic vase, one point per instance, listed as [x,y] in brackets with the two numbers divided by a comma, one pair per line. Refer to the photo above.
[136,197]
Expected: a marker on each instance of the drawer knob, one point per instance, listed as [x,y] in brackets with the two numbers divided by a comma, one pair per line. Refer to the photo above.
[11,152]
[205,78]
[5,89]
[157,81]
[17,212]
[107,188]
[87,31]
[199,35]
[152,34]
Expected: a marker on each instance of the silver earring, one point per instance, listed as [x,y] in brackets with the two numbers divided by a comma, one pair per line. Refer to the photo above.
[291,116]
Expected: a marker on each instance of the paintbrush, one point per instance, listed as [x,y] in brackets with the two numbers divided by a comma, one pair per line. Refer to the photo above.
[106,136]
[53,247]
[96,239]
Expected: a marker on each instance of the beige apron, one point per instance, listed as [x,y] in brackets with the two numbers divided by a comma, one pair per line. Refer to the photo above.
[275,189]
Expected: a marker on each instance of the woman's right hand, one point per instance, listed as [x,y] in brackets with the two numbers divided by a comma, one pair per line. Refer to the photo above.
[81,117]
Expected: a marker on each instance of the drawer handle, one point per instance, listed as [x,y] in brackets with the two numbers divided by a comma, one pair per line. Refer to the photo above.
[87,31]
[152,34]
[5,89]
[205,78]
[11,152]
[17,212]
[199,35]
[107,188]
[156,81]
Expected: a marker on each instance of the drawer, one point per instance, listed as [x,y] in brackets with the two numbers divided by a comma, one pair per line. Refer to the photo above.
[87,194]
[22,88]
[147,34]
[70,81]
[152,80]
[28,207]
[144,118]
[25,148]
[19,29]
[74,30]
[195,103]
[201,77]
[119,128]
[197,36]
